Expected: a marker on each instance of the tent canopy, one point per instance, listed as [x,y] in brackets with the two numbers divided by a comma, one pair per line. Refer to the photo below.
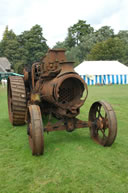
[101,68]
[7,74]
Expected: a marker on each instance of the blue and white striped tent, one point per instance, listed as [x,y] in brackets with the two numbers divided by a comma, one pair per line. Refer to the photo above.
[103,72]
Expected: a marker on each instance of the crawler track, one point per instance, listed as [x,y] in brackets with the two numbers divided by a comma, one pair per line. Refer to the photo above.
[16,100]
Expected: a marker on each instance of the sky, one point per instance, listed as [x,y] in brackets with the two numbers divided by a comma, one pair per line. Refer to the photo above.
[56,16]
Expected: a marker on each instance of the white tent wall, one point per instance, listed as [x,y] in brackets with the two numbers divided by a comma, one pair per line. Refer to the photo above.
[103,72]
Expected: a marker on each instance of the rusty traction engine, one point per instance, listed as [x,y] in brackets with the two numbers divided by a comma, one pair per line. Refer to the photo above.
[52,87]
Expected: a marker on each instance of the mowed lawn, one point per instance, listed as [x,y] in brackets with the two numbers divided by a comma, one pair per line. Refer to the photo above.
[72,162]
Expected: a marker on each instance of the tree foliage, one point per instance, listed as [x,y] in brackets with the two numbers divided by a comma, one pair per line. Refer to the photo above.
[34,43]
[123,34]
[82,38]
[91,39]
[77,31]
[9,46]
[60,45]
[25,49]
[110,49]
[81,43]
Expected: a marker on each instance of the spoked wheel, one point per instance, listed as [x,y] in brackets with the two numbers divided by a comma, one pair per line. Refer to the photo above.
[16,100]
[35,130]
[103,122]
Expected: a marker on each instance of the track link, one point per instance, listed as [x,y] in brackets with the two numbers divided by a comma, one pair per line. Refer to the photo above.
[16,100]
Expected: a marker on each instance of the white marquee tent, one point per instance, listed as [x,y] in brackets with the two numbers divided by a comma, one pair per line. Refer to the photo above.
[103,72]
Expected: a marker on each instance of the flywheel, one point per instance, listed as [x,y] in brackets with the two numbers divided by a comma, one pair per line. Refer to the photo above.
[16,100]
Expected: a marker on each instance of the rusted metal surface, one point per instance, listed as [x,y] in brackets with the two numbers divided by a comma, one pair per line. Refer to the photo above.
[69,124]
[104,124]
[35,130]
[16,100]
[50,64]
[52,87]
[65,91]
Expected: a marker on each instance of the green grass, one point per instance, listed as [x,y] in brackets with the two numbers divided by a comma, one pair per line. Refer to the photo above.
[72,162]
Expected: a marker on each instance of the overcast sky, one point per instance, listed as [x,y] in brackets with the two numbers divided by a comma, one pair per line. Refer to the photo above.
[56,16]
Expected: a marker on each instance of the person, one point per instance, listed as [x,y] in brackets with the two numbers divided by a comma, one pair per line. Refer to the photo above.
[4,82]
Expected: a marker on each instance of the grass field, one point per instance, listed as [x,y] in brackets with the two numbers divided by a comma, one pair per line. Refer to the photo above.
[72,162]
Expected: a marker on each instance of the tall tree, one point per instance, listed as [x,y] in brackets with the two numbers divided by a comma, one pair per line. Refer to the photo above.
[77,31]
[34,43]
[9,45]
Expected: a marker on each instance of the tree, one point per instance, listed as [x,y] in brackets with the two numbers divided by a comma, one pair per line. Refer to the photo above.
[77,31]
[74,55]
[123,35]
[111,49]
[9,45]
[34,44]
[1,54]
[104,33]
[60,45]
[8,34]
